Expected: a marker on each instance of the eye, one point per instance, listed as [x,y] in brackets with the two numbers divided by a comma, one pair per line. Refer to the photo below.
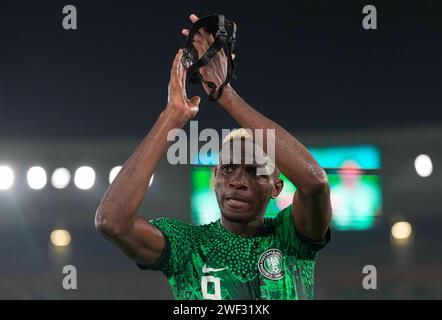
[227,168]
[253,172]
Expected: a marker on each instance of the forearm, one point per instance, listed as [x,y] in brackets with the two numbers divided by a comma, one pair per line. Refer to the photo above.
[126,193]
[292,158]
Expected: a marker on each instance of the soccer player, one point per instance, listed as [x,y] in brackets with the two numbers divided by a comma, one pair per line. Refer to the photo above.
[242,255]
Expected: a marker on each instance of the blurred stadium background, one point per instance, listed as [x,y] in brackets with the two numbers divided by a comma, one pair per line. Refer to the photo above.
[31,264]
[85,99]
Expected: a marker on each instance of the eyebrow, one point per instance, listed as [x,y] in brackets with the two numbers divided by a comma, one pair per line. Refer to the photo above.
[253,165]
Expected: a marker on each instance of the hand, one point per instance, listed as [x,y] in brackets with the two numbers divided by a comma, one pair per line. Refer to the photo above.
[177,96]
[216,70]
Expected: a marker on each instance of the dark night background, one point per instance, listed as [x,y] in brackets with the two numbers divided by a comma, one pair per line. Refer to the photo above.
[88,96]
[307,64]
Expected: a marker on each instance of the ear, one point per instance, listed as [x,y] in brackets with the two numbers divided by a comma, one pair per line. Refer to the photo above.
[278,184]
[213,178]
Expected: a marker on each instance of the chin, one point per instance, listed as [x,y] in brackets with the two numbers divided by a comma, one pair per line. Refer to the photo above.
[236,216]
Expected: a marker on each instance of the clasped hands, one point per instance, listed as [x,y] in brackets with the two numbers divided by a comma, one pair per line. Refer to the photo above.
[215,71]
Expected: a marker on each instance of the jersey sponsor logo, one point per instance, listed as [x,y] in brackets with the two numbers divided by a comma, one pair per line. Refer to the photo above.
[205,269]
[270,264]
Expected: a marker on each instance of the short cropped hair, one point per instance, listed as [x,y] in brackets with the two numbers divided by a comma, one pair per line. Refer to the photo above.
[240,133]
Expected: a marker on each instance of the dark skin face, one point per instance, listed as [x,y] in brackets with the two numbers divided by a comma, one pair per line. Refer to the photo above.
[243,195]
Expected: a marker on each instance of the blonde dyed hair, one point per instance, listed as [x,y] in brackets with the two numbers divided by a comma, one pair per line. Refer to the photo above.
[242,133]
[238,134]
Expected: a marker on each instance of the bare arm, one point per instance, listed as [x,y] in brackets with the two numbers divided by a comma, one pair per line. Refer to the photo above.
[116,217]
[311,203]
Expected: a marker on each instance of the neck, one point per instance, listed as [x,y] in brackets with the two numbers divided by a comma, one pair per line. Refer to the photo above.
[250,228]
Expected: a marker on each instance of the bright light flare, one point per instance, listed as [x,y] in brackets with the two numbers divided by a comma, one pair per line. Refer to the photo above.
[60,238]
[423,165]
[60,178]
[113,173]
[84,177]
[401,230]
[6,177]
[37,178]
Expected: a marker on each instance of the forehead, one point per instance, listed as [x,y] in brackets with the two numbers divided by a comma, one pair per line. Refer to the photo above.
[246,152]
[241,151]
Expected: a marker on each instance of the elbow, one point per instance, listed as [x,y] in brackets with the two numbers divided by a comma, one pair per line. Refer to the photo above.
[319,185]
[105,226]
[106,229]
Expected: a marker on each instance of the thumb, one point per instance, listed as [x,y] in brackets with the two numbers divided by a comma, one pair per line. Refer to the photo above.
[195,101]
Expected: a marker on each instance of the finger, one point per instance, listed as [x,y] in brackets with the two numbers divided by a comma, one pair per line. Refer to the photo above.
[194,105]
[222,53]
[233,56]
[180,68]
[200,39]
[181,75]
[201,36]
[199,44]
[193,17]
[173,70]
[195,101]
[207,36]
[186,32]
[201,47]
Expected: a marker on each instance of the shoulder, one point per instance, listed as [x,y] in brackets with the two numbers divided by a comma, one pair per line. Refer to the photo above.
[179,227]
[285,226]
[170,222]
[284,219]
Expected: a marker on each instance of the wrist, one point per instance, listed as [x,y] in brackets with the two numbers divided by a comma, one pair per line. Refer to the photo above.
[175,115]
[228,96]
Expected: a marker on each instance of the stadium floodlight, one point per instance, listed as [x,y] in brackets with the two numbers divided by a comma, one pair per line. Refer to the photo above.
[113,173]
[60,238]
[84,177]
[423,165]
[401,230]
[36,177]
[6,177]
[60,178]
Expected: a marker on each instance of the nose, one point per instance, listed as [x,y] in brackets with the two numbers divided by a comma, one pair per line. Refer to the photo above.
[238,181]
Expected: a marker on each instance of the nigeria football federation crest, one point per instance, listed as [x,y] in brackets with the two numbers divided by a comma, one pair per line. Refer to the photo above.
[270,264]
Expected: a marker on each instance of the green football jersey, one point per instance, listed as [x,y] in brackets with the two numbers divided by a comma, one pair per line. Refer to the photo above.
[211,262]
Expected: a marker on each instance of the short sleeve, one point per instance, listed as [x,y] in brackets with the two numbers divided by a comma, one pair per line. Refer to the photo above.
[178,238]
[292,240]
